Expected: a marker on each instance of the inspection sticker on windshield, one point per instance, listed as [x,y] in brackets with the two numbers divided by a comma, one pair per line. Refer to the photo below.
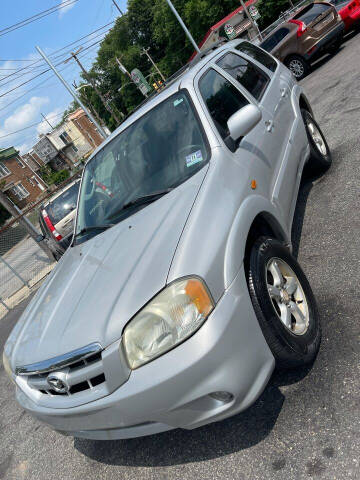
[194,158]
[178,101]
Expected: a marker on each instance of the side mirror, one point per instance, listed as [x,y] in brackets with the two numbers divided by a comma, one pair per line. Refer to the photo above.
[243,121]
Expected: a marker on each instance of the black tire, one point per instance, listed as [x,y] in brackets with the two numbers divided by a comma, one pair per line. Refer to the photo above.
[290,350]
[318,162]
[303,66]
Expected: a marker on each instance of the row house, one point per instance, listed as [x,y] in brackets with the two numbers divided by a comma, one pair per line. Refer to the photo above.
[18,180]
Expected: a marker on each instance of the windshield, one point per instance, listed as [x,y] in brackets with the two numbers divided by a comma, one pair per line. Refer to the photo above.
[62,205]
[157,152]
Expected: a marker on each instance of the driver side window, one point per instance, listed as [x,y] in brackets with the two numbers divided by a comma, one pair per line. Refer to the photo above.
[222,99]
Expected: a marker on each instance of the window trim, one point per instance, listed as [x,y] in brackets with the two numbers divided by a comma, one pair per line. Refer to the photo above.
[20,197]
[213,66]
[5,167]
[20,162]
[259,64]
[256,68]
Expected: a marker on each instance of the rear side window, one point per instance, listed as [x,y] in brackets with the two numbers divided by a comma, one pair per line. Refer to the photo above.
[271,42]
[312,12]
[63,204]
[258,55]
[222,99]
[247,74]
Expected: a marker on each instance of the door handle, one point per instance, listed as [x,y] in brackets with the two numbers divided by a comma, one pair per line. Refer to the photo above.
[284,92]
[269,125]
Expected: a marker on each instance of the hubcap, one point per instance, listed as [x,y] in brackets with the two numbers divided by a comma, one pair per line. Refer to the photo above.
[297,68]
[317,137]
[287,296]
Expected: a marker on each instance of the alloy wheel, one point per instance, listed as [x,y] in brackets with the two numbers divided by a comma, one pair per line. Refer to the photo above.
[287,296]
[297,68]
[317,137]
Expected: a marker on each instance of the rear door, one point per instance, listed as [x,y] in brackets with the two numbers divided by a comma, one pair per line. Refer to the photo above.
[318,18]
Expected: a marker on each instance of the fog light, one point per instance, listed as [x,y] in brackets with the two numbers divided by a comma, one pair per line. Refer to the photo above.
[224,397]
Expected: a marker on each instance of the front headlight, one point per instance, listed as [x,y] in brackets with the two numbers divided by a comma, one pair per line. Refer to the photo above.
[167,320]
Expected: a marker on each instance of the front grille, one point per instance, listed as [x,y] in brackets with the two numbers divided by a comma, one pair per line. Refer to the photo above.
[80,376]
[87,374]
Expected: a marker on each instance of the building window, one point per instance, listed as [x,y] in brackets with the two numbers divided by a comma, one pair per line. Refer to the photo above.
[20,162]
[4,170]
[65,138]
[20,191]
[34,179]
[31,182]
[74,148]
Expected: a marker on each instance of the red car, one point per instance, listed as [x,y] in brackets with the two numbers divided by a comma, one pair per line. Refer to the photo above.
[349,11]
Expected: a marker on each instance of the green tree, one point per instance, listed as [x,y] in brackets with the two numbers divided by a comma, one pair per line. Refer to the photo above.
[270,10]
[148,23]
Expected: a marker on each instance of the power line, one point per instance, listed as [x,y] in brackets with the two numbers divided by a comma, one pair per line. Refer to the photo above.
[41,73]
[37,16]
[31,126]
[31,67]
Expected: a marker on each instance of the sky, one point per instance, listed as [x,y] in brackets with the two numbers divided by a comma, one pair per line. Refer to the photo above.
[44,95]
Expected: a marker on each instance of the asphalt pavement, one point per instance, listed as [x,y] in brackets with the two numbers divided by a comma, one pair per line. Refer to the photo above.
[307,422]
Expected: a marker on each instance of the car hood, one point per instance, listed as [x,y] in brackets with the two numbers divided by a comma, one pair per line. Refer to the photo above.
[98,286]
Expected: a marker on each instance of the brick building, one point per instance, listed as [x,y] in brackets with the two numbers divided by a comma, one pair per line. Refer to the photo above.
[85,126]
[20,183]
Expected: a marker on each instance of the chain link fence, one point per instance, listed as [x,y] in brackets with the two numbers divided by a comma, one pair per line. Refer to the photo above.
[23,264]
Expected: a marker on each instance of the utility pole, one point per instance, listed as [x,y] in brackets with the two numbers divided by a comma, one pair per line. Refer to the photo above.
[145,51]
[253,23]
[47,121]
[90,80]
[179,19]
[29,227]
[91,107]
[117,6]
[73,94]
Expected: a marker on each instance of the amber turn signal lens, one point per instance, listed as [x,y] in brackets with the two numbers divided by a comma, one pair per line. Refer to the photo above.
[197,293]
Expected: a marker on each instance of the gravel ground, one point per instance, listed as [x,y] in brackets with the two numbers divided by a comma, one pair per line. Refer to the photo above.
[306,423]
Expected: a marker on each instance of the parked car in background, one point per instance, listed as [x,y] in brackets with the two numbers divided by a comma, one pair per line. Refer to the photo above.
[314,30]
[349,12]
[57,217]
[179,292]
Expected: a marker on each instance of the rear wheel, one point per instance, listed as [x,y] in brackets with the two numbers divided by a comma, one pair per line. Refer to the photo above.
[284,304]
[320,155]
[298,66]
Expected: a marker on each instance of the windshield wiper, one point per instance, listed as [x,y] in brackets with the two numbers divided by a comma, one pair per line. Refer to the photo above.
[93,228]
[142,200]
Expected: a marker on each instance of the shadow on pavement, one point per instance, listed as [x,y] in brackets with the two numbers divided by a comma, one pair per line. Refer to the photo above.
[184,446]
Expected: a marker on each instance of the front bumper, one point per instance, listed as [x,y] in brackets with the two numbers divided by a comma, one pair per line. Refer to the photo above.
[228,353]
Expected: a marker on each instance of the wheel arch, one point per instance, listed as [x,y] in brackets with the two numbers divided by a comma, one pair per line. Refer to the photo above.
[305,104]
[259,217]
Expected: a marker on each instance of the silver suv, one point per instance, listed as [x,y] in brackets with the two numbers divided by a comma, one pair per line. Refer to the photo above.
[179,293]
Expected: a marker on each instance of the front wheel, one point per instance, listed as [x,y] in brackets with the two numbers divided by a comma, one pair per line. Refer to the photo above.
[284,304]
[320,155]
[298,66]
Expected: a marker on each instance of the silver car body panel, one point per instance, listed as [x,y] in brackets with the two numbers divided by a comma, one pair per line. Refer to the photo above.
[200,228]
